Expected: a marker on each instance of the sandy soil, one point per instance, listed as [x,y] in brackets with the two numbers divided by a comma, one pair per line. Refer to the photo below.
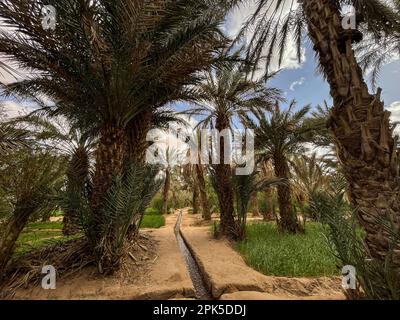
[158,272]
[228,276]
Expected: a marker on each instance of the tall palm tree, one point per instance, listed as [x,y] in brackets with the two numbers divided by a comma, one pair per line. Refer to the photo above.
[111,64]
[360,124]
[278,136]
[77,145]
[225,94]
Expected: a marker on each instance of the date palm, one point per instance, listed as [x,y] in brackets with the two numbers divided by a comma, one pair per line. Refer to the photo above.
[225,94]
[278,136]
[361,127]
[111,64]
[30,179]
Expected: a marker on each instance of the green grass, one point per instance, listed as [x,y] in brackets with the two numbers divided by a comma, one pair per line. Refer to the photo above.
[44,225]
[41,234]
[303,255]
[152,212]
[38,235]
[152,221]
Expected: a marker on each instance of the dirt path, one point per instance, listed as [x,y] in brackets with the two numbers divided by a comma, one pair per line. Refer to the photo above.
[228,276]
[163,275]
[161,271]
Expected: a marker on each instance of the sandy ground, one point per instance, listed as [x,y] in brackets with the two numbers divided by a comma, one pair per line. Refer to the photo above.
[159,274]
[228,276]
[159,271]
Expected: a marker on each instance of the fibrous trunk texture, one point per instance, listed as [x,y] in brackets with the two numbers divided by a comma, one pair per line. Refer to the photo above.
[203,193]
[363,134]
[110,155]
[11,233]
[225,192]
[195,200]
[255,206]
[287,219]
[77,176]
[137,130]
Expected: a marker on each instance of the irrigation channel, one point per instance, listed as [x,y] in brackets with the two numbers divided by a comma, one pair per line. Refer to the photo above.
[200,287]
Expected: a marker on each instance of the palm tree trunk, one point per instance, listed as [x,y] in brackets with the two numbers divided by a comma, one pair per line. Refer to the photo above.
[195,200]
[77,176]
[255,206]
[268,214]
[287,219]
[11,233]
[203,193]
[223,174]
[110,155]
[167,184]
[361,127]
[137,131]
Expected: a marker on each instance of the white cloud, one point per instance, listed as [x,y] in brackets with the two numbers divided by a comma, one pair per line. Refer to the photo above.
[394,108]
[299,82]
[234,24]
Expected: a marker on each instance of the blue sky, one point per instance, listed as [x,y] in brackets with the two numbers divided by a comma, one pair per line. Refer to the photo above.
[308,87]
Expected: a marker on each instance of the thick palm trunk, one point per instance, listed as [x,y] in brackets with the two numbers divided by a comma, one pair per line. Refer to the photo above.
[11,233]
[254,205]
[195,200]
[77,176]
[287,219]
[167,184]
[110,156]
[360,125]
[137,131]
[203,193]
[225,188]
[268,214]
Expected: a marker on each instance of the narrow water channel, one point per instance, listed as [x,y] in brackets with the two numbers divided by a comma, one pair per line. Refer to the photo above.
[199,285]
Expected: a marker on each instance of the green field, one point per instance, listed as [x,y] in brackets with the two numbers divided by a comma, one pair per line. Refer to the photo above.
[302,255]
[40,234]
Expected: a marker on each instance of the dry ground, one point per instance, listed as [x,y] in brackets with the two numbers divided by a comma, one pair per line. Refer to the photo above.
[158,271]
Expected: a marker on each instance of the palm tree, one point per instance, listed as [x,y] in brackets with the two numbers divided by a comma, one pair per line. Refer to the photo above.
[111,65]
[360,124]
[169,159]
[31,179]
[67,139]
[226,93]
[278,136]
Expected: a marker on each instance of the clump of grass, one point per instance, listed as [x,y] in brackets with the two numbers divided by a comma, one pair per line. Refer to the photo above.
[38,235]
[152,212]
[44,225]
[302,255]
[152,221]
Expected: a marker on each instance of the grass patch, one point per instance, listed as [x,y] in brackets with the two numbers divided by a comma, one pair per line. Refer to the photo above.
[303,255]
[153,221]
[152,212]
[38,235]
[44,226]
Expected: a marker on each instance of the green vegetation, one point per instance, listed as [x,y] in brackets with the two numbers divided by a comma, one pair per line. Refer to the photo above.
[38,235]
[152,211]
[152,221]
[44,225]
[300,255]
